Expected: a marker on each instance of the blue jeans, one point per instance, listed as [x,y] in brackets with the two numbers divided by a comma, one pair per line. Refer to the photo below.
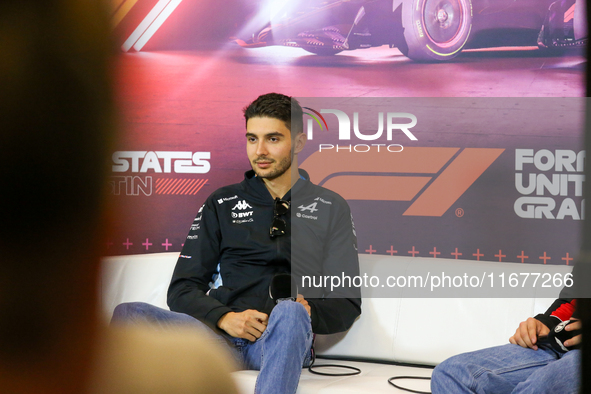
[509,369]
[280,352]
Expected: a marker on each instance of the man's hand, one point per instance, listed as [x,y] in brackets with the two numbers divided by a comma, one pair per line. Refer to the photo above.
[303,301]
[528,332]
[249,324]
[576,325]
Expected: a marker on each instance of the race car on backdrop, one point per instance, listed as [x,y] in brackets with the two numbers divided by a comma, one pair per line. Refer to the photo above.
[423,30]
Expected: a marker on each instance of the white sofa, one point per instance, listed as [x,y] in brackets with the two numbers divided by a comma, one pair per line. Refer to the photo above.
[392,337]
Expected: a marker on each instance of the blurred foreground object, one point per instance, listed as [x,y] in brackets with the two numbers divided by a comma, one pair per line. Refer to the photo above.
[57,120]
[138,360]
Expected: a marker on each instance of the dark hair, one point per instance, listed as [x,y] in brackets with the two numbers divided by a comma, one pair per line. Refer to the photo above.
[277,106]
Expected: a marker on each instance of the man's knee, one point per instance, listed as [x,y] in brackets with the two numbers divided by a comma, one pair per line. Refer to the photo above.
[291,316]
[290,310]
[451,373]
[450,367]
[290,325]
[128,311]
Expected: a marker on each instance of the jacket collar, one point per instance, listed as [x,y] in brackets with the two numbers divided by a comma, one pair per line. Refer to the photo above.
[257,186]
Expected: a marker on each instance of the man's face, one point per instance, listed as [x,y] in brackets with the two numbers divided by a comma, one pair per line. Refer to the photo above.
[268,146]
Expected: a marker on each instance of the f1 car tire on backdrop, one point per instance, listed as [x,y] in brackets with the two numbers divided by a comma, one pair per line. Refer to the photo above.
[323,51]
[435,30]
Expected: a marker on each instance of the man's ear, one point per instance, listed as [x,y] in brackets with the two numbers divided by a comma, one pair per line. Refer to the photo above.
[299,142]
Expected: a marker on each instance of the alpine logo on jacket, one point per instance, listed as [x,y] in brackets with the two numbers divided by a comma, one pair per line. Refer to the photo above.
[311,208]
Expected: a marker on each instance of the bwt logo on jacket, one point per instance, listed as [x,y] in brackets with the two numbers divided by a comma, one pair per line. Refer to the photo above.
[177,162]
[241,214]
[395,122]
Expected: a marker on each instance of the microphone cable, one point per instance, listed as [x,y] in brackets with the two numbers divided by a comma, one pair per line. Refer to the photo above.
[390,380]
[351,370]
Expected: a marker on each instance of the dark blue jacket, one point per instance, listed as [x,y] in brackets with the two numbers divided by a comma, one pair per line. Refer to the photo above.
[230,237]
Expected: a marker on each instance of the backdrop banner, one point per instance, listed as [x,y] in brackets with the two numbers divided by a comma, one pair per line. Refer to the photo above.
[490,179]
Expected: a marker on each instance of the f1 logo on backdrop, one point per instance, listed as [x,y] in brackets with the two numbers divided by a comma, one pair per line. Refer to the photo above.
[144,162]
[438,176]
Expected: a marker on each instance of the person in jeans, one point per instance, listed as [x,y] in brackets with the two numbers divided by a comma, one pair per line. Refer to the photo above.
[528,364]
[243,236]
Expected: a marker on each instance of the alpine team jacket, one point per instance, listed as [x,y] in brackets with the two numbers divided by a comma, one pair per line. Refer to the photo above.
[230,238]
